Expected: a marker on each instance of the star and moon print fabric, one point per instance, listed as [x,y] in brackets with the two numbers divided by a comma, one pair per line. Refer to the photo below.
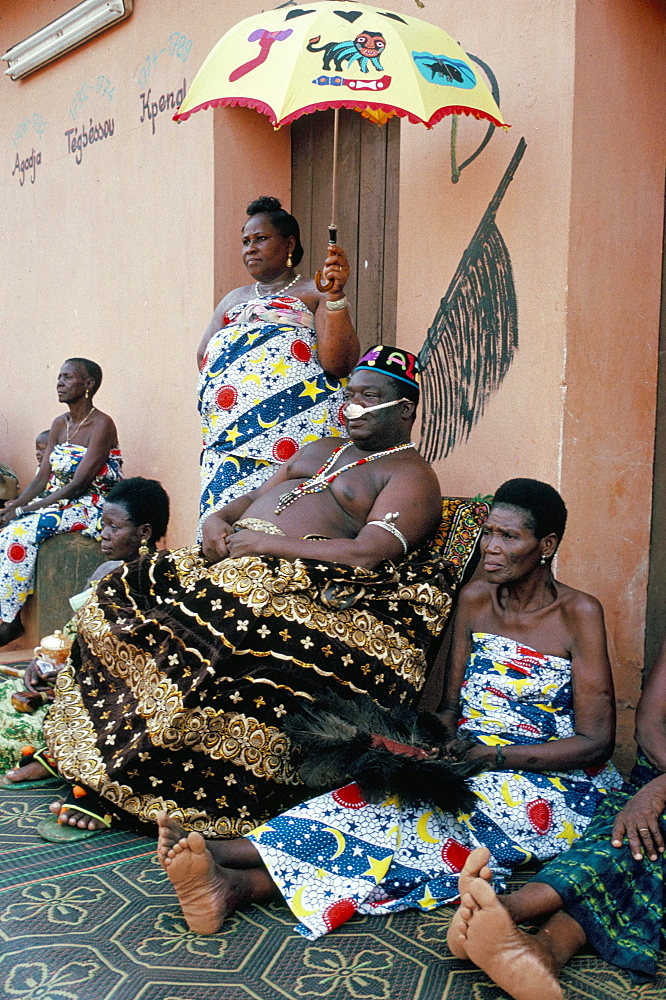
[337,855]
[262,396]
[21,538]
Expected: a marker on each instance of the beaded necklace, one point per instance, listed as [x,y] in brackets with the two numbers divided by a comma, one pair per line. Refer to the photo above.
[321,480]
[268,295]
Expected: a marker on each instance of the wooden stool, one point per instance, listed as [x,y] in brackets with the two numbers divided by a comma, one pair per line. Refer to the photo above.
[64,564]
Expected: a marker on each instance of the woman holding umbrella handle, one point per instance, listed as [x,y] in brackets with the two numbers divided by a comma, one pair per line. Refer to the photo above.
[271,359]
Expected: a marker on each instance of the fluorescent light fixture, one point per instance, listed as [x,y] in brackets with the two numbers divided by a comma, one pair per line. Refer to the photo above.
[74,28]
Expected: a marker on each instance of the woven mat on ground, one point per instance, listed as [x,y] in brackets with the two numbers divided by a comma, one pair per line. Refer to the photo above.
[98,921]
[26,859]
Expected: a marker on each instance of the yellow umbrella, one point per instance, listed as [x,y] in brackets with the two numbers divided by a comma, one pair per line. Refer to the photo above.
[288,62]
[298,59]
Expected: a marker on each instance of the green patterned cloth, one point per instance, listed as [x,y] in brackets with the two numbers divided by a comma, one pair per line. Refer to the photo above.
[619,902]
[17,728]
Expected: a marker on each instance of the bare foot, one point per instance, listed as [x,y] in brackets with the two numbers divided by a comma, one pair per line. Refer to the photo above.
[169,834]
[456,936]
[34,771]
[518,963]
[475,867]
[72,817]
[240,853]
[207,893]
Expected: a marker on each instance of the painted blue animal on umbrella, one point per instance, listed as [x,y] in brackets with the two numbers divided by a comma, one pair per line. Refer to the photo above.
[364,49]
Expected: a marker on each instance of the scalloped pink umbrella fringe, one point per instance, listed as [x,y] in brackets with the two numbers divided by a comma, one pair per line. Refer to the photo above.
[265,109]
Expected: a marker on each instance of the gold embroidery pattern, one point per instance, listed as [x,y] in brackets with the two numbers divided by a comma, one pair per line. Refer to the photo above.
[183,671]
[252,582]
[261,749]
[71,738]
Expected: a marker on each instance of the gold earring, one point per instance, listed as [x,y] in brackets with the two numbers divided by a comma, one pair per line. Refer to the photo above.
[87,393]
[290,262]
[143,548]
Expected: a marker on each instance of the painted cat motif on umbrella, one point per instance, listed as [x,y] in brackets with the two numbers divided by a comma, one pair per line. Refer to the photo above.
[365,48]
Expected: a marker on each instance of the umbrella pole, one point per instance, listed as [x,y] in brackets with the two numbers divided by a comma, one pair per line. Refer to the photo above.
[325,286]
[333,227]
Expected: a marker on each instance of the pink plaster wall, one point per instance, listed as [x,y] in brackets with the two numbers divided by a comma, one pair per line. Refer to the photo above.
[532,54]
[123,257]
[616,230]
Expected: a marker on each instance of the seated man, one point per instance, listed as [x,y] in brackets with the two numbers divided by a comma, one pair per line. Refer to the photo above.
[185,665]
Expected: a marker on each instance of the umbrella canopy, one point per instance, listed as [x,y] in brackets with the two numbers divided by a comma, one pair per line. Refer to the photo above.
[289,62]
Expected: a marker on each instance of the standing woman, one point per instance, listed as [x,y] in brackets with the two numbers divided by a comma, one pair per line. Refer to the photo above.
[80,465]
[271,360]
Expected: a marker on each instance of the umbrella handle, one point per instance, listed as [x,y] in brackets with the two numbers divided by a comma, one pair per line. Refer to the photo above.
[326,286]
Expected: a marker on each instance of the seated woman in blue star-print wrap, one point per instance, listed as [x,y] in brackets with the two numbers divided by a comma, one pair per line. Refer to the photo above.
[81,463]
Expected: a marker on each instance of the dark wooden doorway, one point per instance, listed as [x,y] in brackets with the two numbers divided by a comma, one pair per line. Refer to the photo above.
[368,178]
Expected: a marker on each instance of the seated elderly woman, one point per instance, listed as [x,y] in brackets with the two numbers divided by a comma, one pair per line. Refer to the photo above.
[603,890]
[135,516]
[80,465]
[207,657]
[528,681]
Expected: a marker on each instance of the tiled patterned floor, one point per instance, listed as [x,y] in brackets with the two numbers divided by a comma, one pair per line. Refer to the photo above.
[99,921]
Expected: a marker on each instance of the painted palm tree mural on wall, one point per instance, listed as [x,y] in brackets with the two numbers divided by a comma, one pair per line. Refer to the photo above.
[472,340]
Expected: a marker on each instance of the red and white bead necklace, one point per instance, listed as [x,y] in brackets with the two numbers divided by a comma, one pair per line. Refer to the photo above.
[321,480]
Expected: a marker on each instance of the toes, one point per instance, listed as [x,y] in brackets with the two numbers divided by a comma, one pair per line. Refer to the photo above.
[469,904]
[481,893]
[479,857]
[196,843]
